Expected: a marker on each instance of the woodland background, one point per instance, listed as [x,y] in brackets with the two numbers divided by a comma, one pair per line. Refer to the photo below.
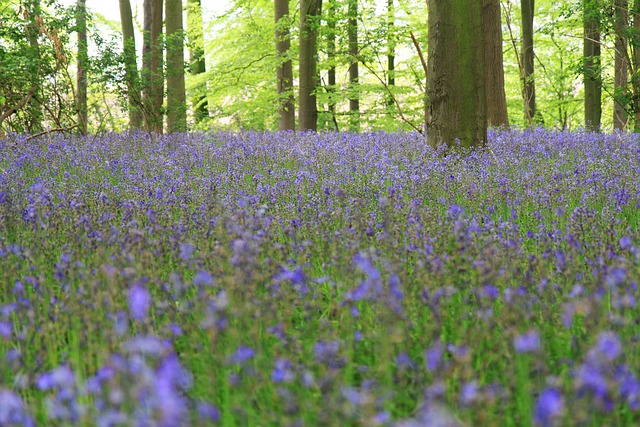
[219,70]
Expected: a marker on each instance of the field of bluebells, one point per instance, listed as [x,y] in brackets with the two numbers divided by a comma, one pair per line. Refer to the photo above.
[333,279]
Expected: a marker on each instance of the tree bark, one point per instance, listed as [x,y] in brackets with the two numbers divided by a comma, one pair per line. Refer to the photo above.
[391,50]
[529,86]
[620,79]
[494,68]
[145,72]
[156,65]
[456,74]
[176,95]
[197,58]
[635,65]
[331,58]
[592,70]
[284,70]
[308,109]
[82,61]
[35,107]
[354,89]
[130,65]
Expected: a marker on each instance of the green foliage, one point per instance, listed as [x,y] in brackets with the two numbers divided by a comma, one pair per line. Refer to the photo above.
[35,85]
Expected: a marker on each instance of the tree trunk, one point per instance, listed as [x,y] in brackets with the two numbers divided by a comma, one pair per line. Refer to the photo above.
[197,58]
[456,77]
[176,95]
[620,79]
[529,86]
[145,72]
[156,64]
[331,58]
[354,89]
[284,70]
[35,107]
[391,50]
[83,59]
[130,65]
[494,69]
[635,65]
[308,109]
[592,70]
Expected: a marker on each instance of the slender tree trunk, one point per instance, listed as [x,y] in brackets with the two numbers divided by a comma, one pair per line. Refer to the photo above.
[35,106]
[83,59]
[391,50]
[592,71]
[354,53]
[620,79]
[331,60]
[145,72]
[156,74]
[284,70]
[456,74]
[494,69]
[176,94]
[130,65]
[529,91]
[635,65]
[308,109]
[195,27]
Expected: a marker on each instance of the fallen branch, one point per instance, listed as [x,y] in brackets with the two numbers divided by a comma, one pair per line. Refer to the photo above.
[67,129]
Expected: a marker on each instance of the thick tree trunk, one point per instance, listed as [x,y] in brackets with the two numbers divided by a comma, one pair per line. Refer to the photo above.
[354,90]
[456,77]
[308,109]
[529,86]
[176,95]
[130,65]
[197,58]
[284,70]
[83,59]
[592,71]
[494,69]
[620,79]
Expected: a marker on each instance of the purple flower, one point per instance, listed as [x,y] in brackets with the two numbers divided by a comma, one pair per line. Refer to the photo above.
[625,242]
[242,354]
[527,343]
[139,302]
[5,329]
[208,412]
[203,278]
[469,393]
[433,356]
[548,407]
[61,377]
[13,411]
[608,346]
[615,277]
[282,371]
[186,250]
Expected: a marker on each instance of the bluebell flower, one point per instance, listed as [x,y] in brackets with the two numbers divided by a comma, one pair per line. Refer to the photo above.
[433,356]
[139,302]
[242,354]
[203,278]
[13,412]
[282,371]
[548,408]
[529,342]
